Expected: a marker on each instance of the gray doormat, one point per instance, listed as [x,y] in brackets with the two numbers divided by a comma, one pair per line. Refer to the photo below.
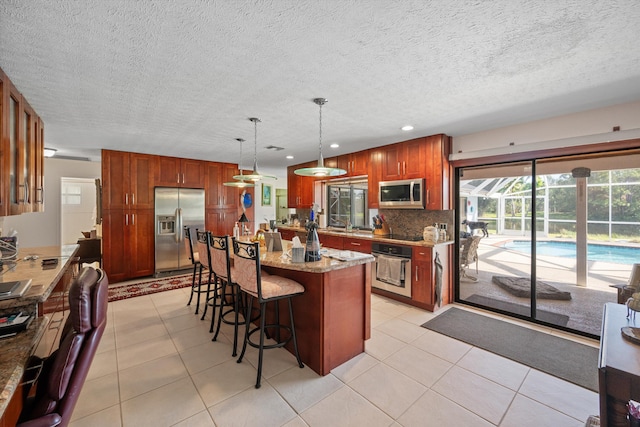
[521,287]
[562,358]
[523,310]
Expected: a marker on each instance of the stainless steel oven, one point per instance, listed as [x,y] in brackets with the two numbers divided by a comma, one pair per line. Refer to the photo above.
[392,271]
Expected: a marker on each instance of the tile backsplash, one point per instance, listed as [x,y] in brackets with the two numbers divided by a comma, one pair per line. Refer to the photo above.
[413,221]
[407,221]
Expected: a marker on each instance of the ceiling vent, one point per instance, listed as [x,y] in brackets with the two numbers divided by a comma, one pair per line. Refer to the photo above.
[273,147]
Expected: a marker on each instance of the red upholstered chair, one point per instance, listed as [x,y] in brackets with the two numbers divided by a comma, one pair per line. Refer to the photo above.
[265,288]
[65,370]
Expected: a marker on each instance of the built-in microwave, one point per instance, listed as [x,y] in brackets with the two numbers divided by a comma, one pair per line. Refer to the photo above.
[402,194]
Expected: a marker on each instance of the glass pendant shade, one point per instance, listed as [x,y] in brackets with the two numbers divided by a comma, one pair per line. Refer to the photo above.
[254,175]
[320,170]
[241,179]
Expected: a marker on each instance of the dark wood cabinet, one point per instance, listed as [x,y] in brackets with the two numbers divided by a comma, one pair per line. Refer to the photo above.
[358,245]
[356,164]
[22,148]
[221,221]
[127,180]
[128,214]
[287,234]
[128,243]
[218,196]
[618,367]
[404,160]
[331,241]
[300,188]
[374,178]
[437,172]
[422,275]
[38,182]
[177,172]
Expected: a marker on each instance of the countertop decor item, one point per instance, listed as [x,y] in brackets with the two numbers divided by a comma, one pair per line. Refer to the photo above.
[320,170]
[312,252]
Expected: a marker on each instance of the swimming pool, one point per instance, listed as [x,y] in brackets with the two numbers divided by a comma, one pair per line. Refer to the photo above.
[595,252]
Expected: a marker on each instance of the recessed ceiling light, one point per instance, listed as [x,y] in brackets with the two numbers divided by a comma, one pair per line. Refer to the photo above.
[289,157]
[334,145]
[407,128]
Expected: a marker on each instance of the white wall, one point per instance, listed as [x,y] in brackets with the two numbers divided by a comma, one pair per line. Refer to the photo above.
[587,127]
[79,213]
[269,212]
[43,228]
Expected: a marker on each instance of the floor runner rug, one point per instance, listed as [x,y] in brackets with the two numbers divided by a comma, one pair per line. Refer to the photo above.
[521,309]
[562,358]
[131,290]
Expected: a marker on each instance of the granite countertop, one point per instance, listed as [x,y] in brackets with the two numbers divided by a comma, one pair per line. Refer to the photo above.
[15,352]
[283,260]
[360,234]
[43,280]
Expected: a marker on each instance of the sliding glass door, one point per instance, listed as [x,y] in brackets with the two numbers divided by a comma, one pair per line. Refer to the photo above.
[494,213]
[563,270]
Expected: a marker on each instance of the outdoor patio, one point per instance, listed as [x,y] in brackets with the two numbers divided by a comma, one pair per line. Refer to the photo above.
[584,309]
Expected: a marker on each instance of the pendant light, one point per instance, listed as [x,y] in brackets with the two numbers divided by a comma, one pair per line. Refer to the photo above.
[241,179]
[254,175]
[320,170]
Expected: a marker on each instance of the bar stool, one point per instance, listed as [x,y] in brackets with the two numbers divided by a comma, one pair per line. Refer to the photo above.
[202,237]
[266,288]
[229,290]
[195,260]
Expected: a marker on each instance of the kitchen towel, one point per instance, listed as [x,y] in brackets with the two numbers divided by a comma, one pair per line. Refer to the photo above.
[438,266]
[390,270]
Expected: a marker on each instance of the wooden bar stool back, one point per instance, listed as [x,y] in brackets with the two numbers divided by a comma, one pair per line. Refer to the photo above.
[265,288]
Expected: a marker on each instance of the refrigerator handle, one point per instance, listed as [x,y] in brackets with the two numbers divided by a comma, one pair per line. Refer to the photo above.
[178,232]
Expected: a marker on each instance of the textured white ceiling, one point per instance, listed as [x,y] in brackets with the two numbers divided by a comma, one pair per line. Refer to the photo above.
[182,77]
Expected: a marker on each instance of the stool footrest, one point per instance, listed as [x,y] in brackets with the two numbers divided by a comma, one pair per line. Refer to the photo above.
[268,346]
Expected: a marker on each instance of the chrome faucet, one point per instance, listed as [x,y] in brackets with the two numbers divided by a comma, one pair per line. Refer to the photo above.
[346,223]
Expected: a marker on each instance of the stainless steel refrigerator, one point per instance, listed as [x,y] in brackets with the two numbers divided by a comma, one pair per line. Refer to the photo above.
[174,209]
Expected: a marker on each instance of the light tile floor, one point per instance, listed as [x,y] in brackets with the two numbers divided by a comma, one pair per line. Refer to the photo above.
[157,366]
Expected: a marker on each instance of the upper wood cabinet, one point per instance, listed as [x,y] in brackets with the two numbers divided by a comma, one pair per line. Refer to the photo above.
[127,180]
[218,196]
[404,160]
[300,188]
[356,164]
[373,178]
[38,182]
[437,172]
[176,172]
[22,151]
[426,157]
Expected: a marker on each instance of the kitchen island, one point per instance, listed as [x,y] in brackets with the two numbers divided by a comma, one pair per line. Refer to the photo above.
[333,316]
[16,350]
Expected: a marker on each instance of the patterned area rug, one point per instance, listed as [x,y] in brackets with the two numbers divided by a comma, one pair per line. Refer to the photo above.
[131,290]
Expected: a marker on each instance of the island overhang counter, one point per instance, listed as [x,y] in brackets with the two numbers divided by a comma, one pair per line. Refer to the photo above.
[333,316]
